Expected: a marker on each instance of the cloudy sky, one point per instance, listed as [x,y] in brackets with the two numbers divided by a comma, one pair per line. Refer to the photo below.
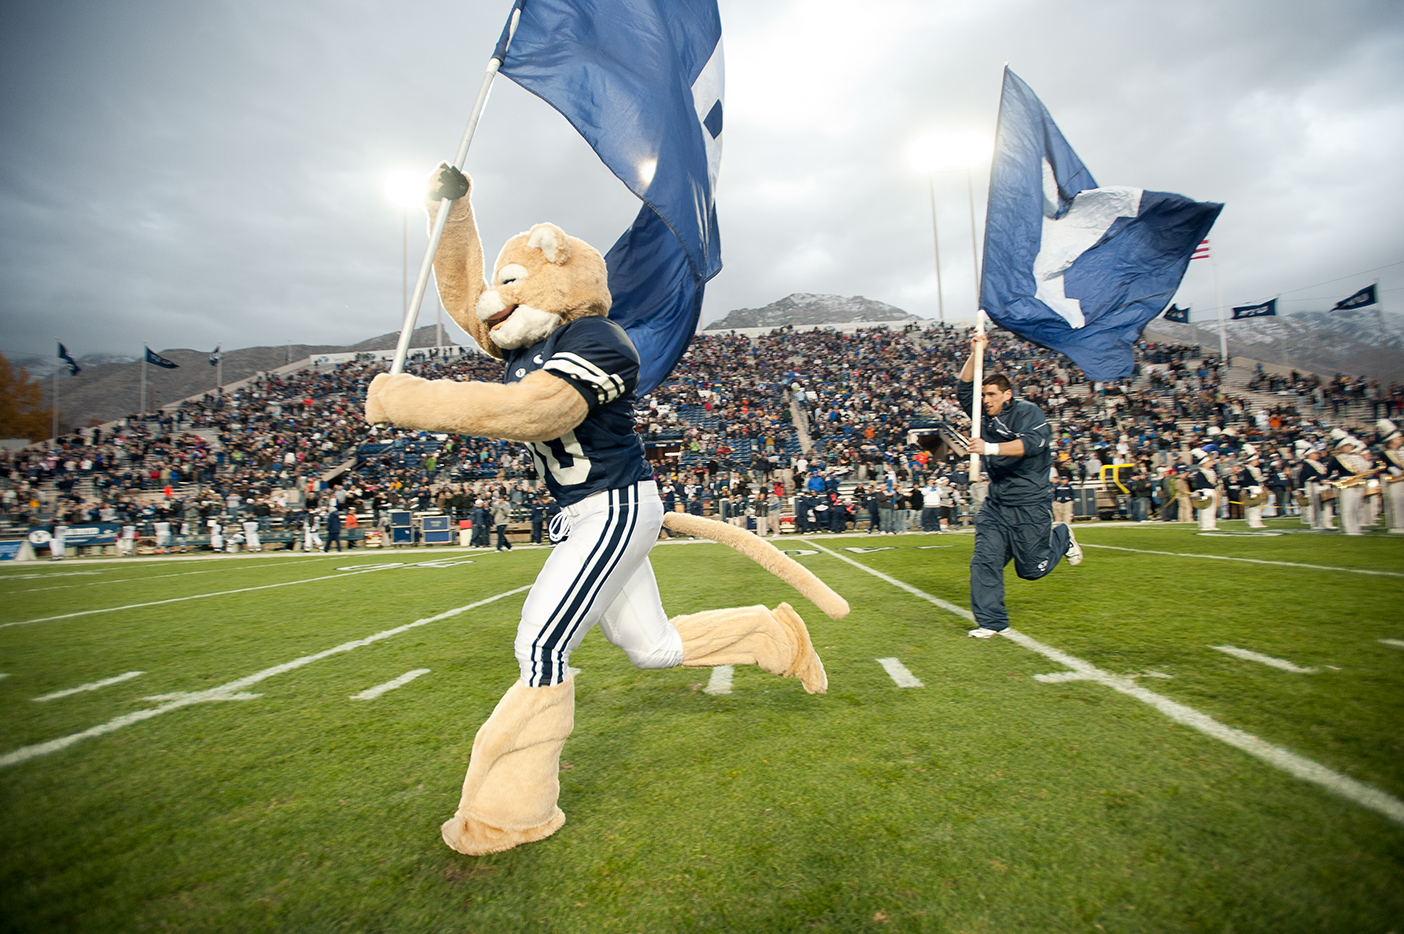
[189,174]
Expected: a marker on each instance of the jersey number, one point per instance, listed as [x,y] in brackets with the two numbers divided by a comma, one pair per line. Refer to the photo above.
[576,466]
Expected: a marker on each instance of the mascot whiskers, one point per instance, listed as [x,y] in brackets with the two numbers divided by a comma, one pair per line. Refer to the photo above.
[568,393]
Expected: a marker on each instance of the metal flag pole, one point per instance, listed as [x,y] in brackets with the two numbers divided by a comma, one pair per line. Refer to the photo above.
[1379,313]
[144,351]
[422,281]
[56,401]
[1219,298]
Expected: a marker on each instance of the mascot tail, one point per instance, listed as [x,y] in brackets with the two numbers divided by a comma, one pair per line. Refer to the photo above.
[763,553]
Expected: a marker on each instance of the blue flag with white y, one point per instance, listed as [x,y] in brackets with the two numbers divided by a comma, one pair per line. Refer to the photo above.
[642,82]
[1074,267]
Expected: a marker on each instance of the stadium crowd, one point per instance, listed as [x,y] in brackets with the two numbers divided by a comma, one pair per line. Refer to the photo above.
[728,429]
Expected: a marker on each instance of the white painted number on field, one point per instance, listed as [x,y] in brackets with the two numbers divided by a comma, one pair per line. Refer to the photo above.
[798,552]
[1397,643]
[1262,659]
[720,682]
[868,551]
[90,687]
[899,673]
[379,689]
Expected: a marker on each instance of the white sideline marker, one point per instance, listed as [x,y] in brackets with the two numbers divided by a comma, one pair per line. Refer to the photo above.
[379,689]
[1284,564]
[1262,659]
[899,673]
[232,690]
[1289,762]
[90,687]
[720,681]
[1397,643]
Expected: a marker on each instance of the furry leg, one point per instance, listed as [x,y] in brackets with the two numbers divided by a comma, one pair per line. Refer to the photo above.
[774,640]
[510,791]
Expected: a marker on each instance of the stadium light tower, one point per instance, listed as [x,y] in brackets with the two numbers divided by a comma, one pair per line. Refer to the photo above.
[950,151]
[406,189]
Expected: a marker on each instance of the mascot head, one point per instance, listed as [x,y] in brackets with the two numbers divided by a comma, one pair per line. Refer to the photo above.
[543,279]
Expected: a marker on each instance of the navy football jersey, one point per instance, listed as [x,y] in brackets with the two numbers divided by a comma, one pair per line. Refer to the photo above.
[596,357]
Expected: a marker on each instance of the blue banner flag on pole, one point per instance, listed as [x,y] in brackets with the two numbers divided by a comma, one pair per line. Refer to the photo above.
[1362,299]
[63,354]
[1071,266]
[1176,313]
[642,82]
[155,359]
[214,356]
[1267,309]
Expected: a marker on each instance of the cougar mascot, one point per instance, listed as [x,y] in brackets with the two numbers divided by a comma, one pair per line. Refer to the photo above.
[568,392]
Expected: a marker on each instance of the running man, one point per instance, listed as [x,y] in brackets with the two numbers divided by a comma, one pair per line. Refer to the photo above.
[1016,520]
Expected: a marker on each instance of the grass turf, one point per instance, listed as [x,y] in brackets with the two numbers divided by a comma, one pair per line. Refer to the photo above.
[985,801]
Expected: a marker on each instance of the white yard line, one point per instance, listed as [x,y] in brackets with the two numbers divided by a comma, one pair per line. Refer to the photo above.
[198,596]
[899,673]
[90,687]
[1397,643]
[1262,659]
[1284,564]
[231,691]
[126,580]
[720,682]
[379,689]
[1289,762]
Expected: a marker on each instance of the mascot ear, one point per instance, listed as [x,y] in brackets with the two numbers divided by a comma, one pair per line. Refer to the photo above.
[551,241]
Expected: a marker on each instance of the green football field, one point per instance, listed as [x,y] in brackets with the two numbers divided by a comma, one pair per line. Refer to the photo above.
[1186,733]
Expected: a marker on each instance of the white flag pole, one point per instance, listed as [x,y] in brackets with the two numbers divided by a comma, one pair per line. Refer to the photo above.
[1379,313]
[144,351]
[977,388]
[422,282]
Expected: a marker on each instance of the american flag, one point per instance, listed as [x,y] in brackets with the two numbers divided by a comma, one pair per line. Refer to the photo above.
[1201,251]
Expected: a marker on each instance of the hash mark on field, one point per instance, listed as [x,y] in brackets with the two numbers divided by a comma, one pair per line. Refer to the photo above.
[232,690]
[90,687]
[899,673]
[1299,766]
[1262,659]
[720,682]
[379,689]
[1397,643]
[1285,564]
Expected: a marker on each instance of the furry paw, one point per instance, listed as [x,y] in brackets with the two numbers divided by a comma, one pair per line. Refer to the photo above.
[379,395]
[806,665]
[447,182]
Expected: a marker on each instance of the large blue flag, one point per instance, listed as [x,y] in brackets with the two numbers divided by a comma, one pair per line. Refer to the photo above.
[642,82]
[1362,299]
[1069,265]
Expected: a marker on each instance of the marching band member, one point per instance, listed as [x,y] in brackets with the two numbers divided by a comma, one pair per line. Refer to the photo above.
[1253,488]
[1313,478]
[1204,480]
[1350,465]
[1392,451]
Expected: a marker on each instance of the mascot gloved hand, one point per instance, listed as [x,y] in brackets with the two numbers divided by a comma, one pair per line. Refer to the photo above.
[568,392]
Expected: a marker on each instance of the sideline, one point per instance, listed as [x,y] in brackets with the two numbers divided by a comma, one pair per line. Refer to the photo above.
[232,690]
[1289,762]
[1285,564]
[198,596]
